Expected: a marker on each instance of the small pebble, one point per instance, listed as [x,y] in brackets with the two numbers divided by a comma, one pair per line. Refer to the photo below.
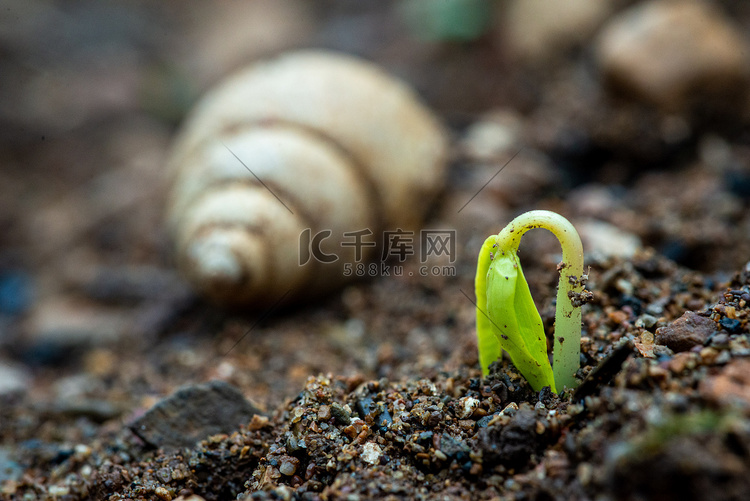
[100,362]
[537,30]
[258,422]
[163,494]
[15,293]
[13,379]
[682,361]
[604,240]
[10,470]
[731,385]
[672,53]
[686,332]
[540,428]
[720,340]
[709,355]
[324,412]
[645,321]
[617,317]
[585,473]
[58,490]
[724,357]
[56,326]
[288,465]
[342,415]
[476,469]
[192,413]
[731,325]
[371,453]
[657,373]
[509,409]
[466,406]
[740,346]
[493,136]
[646,349]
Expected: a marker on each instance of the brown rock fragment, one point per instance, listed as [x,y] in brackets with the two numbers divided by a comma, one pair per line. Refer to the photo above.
[732,385]
[288,465]
[686,332]
[192,413]
[682,361]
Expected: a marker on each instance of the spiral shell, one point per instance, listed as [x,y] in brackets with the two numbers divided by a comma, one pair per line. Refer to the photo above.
[310,140]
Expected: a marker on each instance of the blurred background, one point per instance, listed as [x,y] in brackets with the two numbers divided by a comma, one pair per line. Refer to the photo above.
[631,118]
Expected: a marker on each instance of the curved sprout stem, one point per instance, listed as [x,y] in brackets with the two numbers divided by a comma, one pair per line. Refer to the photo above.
[567,338]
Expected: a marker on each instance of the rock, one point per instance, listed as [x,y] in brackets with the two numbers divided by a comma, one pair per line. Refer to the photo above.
[646,321]
[466,406]
[132,284]
[595,200]
[682,361]
[371,453]
[15,293]
[645,349]
[454,448]
[73,398]
[603,240]
[367,407]
[673,54]
[731,386]
[13,379]
[686,332]
[94,410]
[537,30]
[57,327]
[10,470]
[492,136]
[731,325]
[193,413]
[342,415]
[288,465]
[518,177]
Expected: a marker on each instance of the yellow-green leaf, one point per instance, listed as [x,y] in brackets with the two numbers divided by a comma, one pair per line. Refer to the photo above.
[507,318]
[487,342]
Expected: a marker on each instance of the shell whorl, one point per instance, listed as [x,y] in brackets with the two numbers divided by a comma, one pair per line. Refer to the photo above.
[309,140]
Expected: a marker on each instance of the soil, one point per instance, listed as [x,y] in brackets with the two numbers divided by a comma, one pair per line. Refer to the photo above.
[118,382]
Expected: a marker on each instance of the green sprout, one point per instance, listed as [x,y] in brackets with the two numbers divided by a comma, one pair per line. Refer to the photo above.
[506,316]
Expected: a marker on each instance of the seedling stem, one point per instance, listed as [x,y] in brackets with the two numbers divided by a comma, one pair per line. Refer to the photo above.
[515,323]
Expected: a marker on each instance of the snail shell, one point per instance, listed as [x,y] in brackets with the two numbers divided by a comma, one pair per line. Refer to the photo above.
[310,140]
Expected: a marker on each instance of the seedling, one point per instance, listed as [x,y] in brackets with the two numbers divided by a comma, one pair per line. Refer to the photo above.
[506,316]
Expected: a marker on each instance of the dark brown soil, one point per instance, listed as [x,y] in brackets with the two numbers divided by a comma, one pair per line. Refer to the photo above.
[373,392]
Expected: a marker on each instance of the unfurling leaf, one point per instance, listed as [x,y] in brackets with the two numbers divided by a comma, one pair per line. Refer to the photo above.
[506,316]
[508,319]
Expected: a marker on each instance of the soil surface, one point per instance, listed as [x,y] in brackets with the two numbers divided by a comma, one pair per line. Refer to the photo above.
[117,381]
